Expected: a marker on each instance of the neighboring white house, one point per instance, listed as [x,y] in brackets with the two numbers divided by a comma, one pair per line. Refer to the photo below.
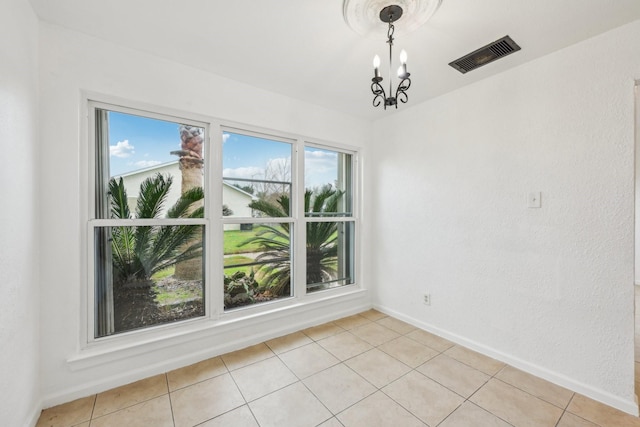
[235,198]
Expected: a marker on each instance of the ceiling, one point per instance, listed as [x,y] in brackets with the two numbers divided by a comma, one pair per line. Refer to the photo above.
[304,49]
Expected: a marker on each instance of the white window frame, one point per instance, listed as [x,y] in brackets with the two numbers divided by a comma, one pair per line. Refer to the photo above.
[292,219]
[299,220]
[344,219]
[93,223]
[213,221]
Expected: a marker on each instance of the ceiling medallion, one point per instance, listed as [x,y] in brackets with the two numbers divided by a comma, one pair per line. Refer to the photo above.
[363,16]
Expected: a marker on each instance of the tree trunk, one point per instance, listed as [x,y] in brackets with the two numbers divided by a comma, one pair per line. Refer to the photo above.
[191,165]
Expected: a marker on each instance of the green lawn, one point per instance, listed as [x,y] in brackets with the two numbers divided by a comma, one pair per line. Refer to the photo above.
[232,241]
[234,238]
[237,260]
[163,274]
[232,260]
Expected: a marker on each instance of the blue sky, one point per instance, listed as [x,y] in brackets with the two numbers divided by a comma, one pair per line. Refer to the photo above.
[137,142]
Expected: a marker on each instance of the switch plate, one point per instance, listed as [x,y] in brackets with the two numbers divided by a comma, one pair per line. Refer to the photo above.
[533,200]
[426,298]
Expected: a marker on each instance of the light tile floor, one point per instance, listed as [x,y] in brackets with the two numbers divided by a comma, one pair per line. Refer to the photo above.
[365,370]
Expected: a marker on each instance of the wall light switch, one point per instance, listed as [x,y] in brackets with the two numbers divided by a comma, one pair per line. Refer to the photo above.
[533,200]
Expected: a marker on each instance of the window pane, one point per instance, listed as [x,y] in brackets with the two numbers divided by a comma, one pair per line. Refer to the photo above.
[257,263]
[152,275]
[257,176]
[329,255]
[134,150]
[328,183]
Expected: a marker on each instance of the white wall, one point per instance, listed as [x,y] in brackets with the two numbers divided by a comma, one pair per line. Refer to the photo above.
[637,182]
[238,201]
[19,305]
[71,62]
[549,289]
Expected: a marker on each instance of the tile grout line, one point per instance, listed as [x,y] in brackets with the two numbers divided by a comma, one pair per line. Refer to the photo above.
[93,407]
[343,362]
[230,410]
[426,376]
[412,369]
[494,376]
[199,381]
[466,399]
[439,352]
[576,415]
[173,417]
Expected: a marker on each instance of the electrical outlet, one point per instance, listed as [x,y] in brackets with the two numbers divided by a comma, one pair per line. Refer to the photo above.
[426,299]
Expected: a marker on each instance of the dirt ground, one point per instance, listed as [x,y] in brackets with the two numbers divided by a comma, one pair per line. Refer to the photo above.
[136,307]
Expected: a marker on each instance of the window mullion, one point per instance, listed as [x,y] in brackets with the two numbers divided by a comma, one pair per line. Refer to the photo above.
[300,235]
[215,260]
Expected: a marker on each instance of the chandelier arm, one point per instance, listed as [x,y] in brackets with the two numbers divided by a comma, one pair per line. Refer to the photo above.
[378,91]
[401,92]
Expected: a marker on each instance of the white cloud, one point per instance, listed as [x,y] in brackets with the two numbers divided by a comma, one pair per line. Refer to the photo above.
[225,136]
[251,172]
[147,163]
[122,149]
[320,154]
[320,162]
[320,168]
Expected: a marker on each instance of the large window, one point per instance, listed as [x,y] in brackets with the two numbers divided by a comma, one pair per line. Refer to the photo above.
[181,228]
[330,223]
[259,243]
[259,227]
[148,223]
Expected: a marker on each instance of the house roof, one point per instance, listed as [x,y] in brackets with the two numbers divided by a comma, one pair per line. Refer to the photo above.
[149,169]
[239,190]
[152,169]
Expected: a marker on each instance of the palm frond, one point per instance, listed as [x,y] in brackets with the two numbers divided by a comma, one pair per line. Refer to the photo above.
[270,209]
[153,193]
[321,245]
[118,199]
[186,200]
[141,251]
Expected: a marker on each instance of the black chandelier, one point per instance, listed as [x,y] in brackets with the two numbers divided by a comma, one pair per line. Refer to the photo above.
[390,14]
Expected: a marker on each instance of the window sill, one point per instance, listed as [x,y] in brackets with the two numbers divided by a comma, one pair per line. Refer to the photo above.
[137,343]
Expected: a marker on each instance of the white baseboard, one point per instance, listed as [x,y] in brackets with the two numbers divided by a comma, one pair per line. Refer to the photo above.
[35,414]
[300,320]
[630,407]
[223,339]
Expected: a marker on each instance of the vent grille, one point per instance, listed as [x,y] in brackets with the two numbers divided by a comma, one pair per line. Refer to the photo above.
[486,54]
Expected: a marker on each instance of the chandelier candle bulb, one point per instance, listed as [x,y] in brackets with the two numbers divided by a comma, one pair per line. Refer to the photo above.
[376,66]
[403,61]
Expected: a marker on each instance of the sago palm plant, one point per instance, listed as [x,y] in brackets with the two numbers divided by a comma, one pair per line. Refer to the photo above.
[141,251]
[274,240]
